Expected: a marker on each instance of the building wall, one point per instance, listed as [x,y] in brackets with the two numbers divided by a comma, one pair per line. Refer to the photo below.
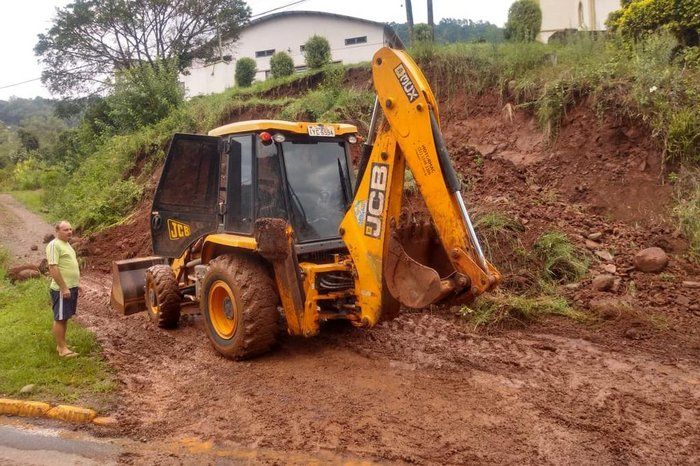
[583,15]
[288,34]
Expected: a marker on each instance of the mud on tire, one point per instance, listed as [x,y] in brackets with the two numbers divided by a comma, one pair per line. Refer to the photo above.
[239,304]
[162,296]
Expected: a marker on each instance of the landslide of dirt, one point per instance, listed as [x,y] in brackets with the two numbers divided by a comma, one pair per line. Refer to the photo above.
[427,388]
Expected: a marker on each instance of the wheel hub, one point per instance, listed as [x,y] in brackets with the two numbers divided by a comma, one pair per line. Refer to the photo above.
[228,308]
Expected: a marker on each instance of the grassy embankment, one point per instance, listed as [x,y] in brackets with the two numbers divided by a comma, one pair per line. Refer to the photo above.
[641,83]
[29,352]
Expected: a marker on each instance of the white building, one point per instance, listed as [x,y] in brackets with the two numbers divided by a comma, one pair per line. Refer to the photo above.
[581,15]
[352,40]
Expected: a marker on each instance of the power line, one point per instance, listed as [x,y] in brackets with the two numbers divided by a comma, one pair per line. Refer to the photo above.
[278,8]
[20,83]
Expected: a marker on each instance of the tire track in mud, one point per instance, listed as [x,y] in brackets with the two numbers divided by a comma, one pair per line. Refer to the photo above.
[422,388]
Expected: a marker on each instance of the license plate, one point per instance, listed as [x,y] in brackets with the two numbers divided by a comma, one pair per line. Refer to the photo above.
[322,131]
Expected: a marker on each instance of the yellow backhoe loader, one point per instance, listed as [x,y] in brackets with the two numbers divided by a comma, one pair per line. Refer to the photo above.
[262,213]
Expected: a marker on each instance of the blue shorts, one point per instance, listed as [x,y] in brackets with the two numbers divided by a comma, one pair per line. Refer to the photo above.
[64,308]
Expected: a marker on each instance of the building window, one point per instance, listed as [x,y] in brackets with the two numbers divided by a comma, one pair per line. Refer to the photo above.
[356,40]
[264,53]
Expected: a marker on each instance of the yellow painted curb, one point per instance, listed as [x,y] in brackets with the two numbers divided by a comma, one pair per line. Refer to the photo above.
[23,408]
[38,409]
[71,414]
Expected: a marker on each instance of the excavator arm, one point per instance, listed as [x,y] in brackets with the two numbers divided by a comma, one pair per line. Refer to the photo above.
[408,138]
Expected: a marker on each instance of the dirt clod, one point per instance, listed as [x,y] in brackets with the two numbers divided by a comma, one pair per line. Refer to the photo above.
[652,260]
[603,282]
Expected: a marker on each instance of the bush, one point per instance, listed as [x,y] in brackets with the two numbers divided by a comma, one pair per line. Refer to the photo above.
[524,21]
[143,95]
[245,72]
[637,18]
[281,64]
[317,52]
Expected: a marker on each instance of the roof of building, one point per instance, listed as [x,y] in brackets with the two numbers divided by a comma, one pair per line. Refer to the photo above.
[392,37]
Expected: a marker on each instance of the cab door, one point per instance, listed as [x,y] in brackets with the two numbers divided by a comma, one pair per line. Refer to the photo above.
[185,205]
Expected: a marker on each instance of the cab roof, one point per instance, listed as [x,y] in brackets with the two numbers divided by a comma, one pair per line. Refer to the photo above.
[299,127]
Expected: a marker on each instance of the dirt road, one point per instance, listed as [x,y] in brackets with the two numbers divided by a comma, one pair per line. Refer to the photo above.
[20,230]
[421,389]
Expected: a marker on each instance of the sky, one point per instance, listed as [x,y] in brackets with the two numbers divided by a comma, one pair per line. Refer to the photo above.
[21,22]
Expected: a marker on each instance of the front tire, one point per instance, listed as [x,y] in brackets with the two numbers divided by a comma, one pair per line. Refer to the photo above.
[239,304]
[162,296]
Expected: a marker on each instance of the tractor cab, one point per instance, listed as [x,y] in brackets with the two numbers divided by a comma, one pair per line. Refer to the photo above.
[241,172]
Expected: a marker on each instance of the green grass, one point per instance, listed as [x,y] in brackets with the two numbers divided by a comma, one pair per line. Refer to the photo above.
[562,262]
[29,351]
[687,209]
[501,308]
[32,200]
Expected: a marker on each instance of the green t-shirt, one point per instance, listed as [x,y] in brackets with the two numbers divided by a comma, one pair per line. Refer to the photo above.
[62,254]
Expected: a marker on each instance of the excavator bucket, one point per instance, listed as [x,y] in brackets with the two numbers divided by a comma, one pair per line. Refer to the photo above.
[129,281]
[411,283]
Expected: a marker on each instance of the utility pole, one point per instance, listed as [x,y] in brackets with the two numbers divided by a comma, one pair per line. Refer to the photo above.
[431,23]
[409,19]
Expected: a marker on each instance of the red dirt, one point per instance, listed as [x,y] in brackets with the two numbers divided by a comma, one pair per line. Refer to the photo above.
[426,387]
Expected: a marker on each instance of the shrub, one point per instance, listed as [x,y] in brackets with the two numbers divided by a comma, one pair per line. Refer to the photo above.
[143,95]
[637,18]
[317,52]
[281,64]
[245,72]
[524,21]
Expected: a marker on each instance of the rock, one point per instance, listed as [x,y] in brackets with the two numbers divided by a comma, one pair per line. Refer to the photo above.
[34,247]
[595,236]
[48,237]
[605,255]
[603,282]
[592,245]
[616,285]
[683,300]
[105,421]
[27,389]
[606,308]
[572,286]
[44,266]
[689,284]
[633,333]
[610,268]
[23,272]
[651,260]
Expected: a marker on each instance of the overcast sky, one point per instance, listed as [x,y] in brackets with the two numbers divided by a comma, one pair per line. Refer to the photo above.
[22,20]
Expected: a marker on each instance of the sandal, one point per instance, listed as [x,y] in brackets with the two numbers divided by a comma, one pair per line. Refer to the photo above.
[69,354]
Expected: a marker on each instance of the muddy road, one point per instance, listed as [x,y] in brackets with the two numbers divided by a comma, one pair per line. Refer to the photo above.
[422,388]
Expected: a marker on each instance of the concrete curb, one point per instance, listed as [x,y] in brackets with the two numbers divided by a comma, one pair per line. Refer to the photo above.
[67,413]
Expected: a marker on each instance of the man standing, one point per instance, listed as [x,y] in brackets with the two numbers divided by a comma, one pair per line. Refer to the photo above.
[65,277]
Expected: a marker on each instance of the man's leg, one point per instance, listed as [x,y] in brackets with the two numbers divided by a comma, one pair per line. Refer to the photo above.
[59,333]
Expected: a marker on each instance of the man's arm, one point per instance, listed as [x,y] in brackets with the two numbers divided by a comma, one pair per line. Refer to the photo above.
[56,275]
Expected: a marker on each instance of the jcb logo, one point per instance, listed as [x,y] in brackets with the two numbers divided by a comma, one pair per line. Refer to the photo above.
[408,87]
[177,230]
[379,176]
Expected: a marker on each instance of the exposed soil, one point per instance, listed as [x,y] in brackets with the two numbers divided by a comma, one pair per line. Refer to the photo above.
[428,388]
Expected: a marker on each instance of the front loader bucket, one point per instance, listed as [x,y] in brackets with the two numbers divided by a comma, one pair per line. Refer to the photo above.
[129,281]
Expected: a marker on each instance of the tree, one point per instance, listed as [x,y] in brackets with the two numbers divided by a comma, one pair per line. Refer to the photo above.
[422,33]
[91,39]
[143,95]
[317,52]
[637,18]
[245,72]
[281,64]
[524,21]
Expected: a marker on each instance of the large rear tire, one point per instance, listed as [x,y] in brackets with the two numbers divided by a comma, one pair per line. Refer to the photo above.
[239,304]
[162,296]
